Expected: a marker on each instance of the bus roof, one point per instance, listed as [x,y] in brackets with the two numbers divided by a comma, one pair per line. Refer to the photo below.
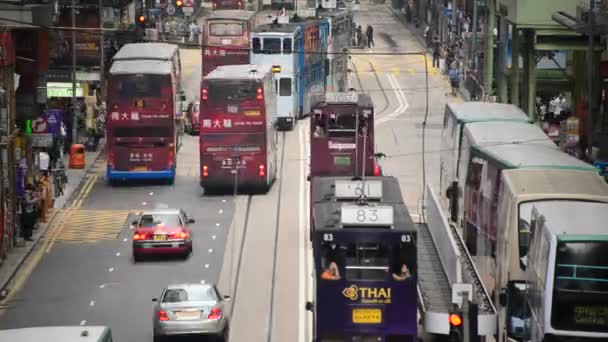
[489,132]
[230,15]
[241,71]
[485,111]
[323,189]
[277,28]
[360,99]
[575,218]
[153,51]
[55,334]
[536,156]
[326,207]
[130,67]
[555,183]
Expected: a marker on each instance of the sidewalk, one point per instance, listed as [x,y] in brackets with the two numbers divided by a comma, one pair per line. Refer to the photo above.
[418,33]
[16,257]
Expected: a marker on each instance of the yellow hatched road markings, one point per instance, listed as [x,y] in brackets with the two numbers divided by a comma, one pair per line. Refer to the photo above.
[89,226]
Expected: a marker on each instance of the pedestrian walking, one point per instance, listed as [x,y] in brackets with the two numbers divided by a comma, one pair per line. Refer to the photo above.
[369,32]
[195,31]
[436,53]
[28,212]
[454,75]
[167,30]
[359,35]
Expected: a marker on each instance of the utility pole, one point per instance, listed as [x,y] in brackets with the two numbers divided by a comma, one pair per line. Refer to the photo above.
[474,42]
[590,78]
[101,50]
[75,109]
[488,66]
[465,317]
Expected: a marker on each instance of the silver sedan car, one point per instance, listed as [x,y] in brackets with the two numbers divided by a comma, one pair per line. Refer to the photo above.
[190,309]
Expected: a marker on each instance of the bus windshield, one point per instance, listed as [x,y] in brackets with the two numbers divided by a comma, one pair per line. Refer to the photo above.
[226,29]
[221,93]
[372,261]
[140,85]
[580,299]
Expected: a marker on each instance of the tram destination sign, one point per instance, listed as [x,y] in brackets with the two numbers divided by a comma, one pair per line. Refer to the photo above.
[347,189]
[345,97]
[366,215]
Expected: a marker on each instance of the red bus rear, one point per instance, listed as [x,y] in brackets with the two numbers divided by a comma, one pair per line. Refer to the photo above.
[238,103]
[226,39]
[336,147]
[141,121]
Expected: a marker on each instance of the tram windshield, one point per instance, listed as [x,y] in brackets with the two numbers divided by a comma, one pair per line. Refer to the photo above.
[370,261]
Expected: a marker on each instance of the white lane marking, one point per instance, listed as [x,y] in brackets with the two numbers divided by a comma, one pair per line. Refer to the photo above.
[83,322]
[210,250]
[302,252]
[213,237]
[217,224]
[92,303]
[144,203]
[203,281]
[221,211]
[125,240]
[151,193]
[118,254]
[102,286]
[223,201]
[403,104]
[206,265]
[111,269]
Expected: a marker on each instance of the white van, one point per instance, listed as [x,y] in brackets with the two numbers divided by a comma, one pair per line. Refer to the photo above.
[58,334]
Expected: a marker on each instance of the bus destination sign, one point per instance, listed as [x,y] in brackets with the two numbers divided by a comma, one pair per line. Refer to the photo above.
[349,97]
[366,215]
[347,189]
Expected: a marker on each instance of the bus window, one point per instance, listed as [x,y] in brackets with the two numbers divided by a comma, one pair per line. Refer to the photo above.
[133,86]
[272,46]
[286,45]
[257,47]
[285,87]
[403,262]
[518,311]
[342,125]
[320,127]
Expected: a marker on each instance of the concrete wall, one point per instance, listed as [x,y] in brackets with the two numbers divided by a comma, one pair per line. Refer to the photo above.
[536,13]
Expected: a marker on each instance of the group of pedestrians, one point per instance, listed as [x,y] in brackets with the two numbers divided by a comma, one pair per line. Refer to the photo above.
[171,29]
[369,34]
[452,64]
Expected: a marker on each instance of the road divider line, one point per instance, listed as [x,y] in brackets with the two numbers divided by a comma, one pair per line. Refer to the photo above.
[402,106]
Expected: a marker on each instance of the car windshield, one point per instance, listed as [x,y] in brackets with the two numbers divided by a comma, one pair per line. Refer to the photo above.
[190,294]
[153,220]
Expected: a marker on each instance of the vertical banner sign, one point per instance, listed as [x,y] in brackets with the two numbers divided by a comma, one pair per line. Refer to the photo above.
[7,50]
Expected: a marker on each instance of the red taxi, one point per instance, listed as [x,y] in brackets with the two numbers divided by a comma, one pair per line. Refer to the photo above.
[162,232]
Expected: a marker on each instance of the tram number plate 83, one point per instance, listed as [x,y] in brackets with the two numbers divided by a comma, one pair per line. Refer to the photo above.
[367,316]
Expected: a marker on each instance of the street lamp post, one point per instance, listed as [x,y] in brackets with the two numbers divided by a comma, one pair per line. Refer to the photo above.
[74,106]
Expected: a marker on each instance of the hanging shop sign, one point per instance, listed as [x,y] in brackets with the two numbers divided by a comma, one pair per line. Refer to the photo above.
[48,122]
[62,89]
[42,140]
[7,50]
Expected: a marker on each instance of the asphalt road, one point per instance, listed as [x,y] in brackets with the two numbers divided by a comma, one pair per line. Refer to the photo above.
[87,276]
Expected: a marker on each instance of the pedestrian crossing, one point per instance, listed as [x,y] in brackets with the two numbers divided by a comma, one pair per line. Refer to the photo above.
[91,226]
[408,65]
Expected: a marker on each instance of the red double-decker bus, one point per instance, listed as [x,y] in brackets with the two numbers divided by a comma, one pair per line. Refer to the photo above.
[238,141]
[141,127]
[342,136]
[226,38]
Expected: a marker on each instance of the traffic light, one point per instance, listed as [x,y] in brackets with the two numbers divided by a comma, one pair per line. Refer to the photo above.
[456,333]
[141,19]
[179,3]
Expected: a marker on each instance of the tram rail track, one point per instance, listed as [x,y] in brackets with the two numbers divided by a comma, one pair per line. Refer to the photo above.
[249,236]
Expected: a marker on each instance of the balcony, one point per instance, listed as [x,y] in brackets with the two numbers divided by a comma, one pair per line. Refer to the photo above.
[535,14]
